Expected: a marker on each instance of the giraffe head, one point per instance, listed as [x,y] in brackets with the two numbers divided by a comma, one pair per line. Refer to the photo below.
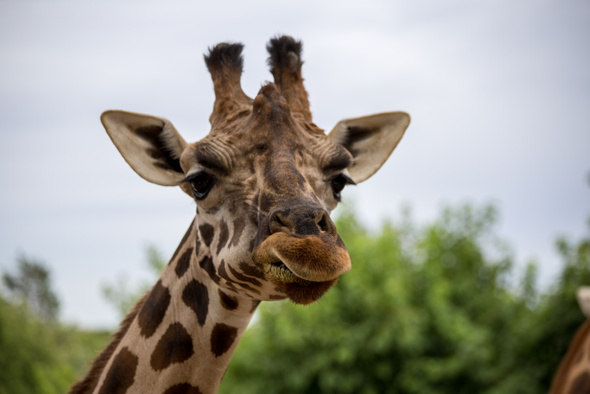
[265,178]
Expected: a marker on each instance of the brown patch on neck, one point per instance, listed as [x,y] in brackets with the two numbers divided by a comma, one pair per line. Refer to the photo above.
[88,384]
[182,242]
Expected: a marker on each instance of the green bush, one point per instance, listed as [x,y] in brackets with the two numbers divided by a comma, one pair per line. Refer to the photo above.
[37,353]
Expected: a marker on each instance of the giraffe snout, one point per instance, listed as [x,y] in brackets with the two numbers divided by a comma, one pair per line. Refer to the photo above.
[301,221]
[302,246]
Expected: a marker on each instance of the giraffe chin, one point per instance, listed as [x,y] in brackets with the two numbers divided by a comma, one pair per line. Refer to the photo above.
[302,260]
[300,291]
[305,294]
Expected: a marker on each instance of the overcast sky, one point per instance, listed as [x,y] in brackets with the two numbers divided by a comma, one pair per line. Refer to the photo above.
[498,91]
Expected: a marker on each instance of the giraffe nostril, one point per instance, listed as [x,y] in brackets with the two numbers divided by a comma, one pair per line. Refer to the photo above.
[301,222]
[323,224]
[279,222]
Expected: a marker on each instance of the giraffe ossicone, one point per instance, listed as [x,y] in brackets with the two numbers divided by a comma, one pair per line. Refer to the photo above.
[264,180]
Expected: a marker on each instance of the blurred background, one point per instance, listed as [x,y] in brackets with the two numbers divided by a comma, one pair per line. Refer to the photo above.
[496,157]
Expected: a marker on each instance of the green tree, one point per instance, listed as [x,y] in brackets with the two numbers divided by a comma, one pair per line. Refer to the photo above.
[29,358]
[558,315]
[31,285]
[37,353]
[118,293]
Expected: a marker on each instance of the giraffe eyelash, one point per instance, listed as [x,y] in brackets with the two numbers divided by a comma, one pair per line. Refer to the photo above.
[201,184]
[338,183]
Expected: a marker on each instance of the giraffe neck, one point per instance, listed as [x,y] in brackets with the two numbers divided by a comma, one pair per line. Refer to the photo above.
[180,336]
[573,375]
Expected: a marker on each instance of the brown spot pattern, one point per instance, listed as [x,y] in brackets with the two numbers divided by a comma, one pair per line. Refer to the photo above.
[251,270]
[231,287]
[197,245]
[153,310]
[239,276]
[121,375]
[581,384]
[266,202]
[207,232]
[223,272]
[249,288]
[175,346]
[255,304]
[90,382]
[181,244]
[228,302]
[239,225]
[224,275]
[196,297]
[183,388]
[222,338]
[223,235]
[183,263]
[207,264]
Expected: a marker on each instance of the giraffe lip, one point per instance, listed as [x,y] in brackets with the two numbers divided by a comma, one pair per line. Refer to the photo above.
[303,260]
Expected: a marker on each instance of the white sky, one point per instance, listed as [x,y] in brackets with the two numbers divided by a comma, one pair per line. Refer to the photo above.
[498,91]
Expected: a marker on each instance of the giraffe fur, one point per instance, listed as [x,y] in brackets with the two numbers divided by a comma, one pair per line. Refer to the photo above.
[265,180]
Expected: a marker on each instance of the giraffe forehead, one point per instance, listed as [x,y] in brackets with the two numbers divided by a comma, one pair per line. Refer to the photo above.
[282,149]
[269,131]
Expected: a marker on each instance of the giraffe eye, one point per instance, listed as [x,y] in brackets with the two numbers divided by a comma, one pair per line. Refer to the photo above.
[338,183]
[201,184]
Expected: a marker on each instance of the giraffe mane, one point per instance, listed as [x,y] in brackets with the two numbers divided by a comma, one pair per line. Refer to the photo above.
[88,384]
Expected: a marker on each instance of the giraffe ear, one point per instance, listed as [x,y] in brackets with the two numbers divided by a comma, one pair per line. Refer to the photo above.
[150,145]
[370,139]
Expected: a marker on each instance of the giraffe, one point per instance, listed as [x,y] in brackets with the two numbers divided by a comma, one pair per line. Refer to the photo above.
[573,375]
[264,180]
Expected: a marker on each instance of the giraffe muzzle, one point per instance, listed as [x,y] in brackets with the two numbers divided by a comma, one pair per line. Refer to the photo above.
[297,259]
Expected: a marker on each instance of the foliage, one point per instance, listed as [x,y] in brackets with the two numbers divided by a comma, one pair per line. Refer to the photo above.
[559,308]
[118,293]
[425,310]
[37,354]
[31,286]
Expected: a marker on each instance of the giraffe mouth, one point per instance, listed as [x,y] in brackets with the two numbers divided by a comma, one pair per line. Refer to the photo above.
[279,271]
[299,290]
[302,260]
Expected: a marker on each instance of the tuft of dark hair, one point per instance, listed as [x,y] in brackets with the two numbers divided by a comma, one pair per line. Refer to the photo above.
[225,55]
[281,50]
